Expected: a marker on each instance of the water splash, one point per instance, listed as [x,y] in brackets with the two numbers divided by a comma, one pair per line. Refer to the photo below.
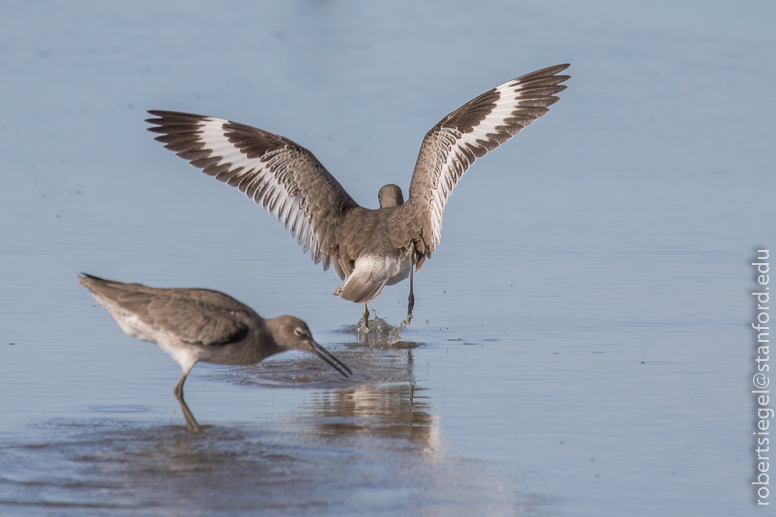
[377,332]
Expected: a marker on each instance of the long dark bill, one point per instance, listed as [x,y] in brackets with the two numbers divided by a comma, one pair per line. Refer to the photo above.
[330,359]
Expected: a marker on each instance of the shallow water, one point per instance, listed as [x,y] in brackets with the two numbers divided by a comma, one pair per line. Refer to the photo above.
[581,340]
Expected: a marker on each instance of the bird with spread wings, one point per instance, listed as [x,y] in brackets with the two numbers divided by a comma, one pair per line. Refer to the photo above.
[368,249]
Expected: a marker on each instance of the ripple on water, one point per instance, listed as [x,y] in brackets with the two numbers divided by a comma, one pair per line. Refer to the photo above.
[343,455]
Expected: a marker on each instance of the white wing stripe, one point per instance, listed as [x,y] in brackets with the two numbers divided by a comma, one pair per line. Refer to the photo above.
[458,150]
[281,176]
[258,178]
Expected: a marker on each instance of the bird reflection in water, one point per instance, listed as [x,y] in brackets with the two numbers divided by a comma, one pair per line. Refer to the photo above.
[398,412]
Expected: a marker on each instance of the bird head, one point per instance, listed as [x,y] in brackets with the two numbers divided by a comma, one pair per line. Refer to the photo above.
[293,334]
[390,195]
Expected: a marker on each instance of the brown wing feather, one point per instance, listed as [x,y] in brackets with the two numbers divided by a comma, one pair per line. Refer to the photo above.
[280,175]
[198,316]
[468,133]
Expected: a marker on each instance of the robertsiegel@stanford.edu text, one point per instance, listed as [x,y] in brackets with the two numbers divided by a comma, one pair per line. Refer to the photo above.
[761,379]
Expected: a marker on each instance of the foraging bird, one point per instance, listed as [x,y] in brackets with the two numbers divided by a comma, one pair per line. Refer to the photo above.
[195,325]
[368,248]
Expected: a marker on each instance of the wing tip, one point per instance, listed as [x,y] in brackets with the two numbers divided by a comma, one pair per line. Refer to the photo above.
[545,73]
[166,117]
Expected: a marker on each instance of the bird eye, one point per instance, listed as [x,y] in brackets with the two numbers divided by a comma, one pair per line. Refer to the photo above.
[298,332]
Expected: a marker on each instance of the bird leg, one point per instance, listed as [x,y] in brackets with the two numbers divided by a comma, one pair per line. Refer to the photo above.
[366,317]
[411,299]
[191,423]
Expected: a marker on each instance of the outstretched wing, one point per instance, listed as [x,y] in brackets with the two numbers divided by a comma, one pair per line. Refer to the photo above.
[283,177]
[468,133]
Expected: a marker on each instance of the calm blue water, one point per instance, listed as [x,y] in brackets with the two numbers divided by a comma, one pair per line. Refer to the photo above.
[581,343]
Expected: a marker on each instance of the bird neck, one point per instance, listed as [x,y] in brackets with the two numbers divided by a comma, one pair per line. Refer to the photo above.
[273,336]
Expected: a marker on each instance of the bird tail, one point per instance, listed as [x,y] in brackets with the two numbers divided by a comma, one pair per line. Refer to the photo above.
[106,289]
[360,287]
